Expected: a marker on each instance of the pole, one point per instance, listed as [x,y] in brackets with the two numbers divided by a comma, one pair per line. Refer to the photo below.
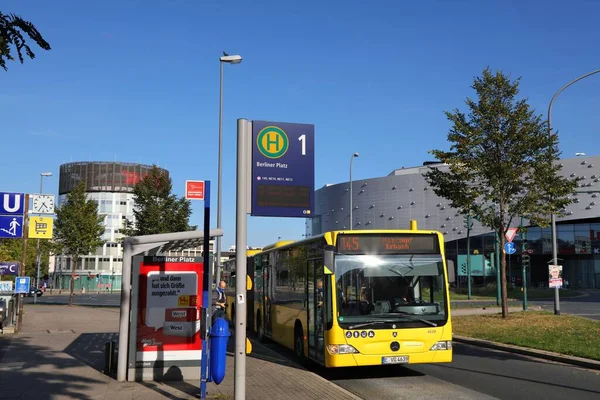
[219,177]
[555,262]
[469,257]
[243,143]
[497,254]
[350,193]
[23,261]
[553,216]
[523,267]
[37,253]
[125,311]
[351,159]
[206,290]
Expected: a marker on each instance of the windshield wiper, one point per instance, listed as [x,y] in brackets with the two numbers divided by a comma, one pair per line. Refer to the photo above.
[411,316]
[370,323]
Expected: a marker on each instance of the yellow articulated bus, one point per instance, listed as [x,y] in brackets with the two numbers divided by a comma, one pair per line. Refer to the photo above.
[356,298]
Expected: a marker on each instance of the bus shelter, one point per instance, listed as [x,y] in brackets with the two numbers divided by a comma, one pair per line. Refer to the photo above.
[163,321]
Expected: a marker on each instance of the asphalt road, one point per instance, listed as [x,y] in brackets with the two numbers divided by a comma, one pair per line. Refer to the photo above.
[587,306]
[475,373]
[92,299]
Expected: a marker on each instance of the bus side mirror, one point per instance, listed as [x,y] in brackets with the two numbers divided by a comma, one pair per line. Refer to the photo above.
[451,275]
[328,260]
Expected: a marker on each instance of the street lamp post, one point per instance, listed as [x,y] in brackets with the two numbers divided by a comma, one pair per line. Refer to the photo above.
[351,159]
[38,256]
[225,59]
[553,216]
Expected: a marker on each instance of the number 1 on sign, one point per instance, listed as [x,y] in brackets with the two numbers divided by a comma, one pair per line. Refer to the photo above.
[303,140]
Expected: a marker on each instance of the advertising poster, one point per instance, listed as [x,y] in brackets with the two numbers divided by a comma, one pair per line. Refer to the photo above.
[168,315]
[555,276]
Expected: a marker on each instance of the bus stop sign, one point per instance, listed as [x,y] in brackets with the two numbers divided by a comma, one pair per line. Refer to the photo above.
[283,169]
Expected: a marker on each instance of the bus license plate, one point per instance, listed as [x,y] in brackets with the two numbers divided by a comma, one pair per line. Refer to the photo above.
[395,360]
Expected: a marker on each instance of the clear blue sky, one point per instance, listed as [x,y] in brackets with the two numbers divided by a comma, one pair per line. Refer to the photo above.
[138,81]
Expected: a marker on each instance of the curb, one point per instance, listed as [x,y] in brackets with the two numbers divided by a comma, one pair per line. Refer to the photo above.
[297,365]
[53,303]
[547,355]
[463,312]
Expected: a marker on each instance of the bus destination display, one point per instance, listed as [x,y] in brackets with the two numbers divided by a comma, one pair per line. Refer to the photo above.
[283,196]
[388,244]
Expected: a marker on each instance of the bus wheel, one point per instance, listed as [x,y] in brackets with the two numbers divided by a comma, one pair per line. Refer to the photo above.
[299,341]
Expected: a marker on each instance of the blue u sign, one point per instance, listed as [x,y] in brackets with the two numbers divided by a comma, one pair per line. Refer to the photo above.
[510,248]
[12,203]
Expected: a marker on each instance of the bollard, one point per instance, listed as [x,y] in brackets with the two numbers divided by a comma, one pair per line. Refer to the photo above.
[2,313]
[115,357]
[108,357]
[11,311]
[219,335]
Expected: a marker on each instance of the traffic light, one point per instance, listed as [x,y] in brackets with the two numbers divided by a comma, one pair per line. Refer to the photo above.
[468,221]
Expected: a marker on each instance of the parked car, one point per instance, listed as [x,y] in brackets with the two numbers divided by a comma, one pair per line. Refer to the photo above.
[33,290]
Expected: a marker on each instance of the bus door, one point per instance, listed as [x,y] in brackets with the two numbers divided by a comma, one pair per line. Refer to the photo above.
[268,283]
[316,304]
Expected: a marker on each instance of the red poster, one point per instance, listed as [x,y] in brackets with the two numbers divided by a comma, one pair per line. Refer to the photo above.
[168,314]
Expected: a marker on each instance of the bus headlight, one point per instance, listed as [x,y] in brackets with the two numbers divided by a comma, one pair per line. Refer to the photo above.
[341,349]
[443,345]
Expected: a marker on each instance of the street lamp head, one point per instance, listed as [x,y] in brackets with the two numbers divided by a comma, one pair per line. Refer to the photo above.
[231,59]
[355,154]
[46,174]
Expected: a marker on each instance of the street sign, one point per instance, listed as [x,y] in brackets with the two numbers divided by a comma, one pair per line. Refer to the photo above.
[9,268]
[510,234]
[194,190]
[283,169]
[42,203]
[40,227]
[11,227]
[12,203]
[510,248]
[6,286]
[22,284]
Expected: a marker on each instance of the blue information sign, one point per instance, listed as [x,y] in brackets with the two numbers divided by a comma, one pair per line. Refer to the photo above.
[9,268]
[11,227]
[283,169]
[22,284]
[510,248]
[12,203]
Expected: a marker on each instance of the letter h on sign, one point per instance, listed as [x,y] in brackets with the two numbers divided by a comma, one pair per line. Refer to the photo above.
[273,141]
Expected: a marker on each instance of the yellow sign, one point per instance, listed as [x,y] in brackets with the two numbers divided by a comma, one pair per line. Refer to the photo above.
[183,301]
[40,227]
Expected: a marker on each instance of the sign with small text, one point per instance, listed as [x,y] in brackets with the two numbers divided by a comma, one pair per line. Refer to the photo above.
[194,190]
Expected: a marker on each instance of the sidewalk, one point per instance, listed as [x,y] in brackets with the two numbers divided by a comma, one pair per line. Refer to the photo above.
[60,355]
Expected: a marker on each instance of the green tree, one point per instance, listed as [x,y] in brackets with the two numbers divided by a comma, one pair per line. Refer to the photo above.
[156,209]
[501,162]
[12,250]
[77,229]
[12,31]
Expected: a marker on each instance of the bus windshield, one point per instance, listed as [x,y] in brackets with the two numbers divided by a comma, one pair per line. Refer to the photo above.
[403,289]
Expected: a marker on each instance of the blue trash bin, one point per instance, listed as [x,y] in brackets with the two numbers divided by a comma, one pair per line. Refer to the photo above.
[219,336]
